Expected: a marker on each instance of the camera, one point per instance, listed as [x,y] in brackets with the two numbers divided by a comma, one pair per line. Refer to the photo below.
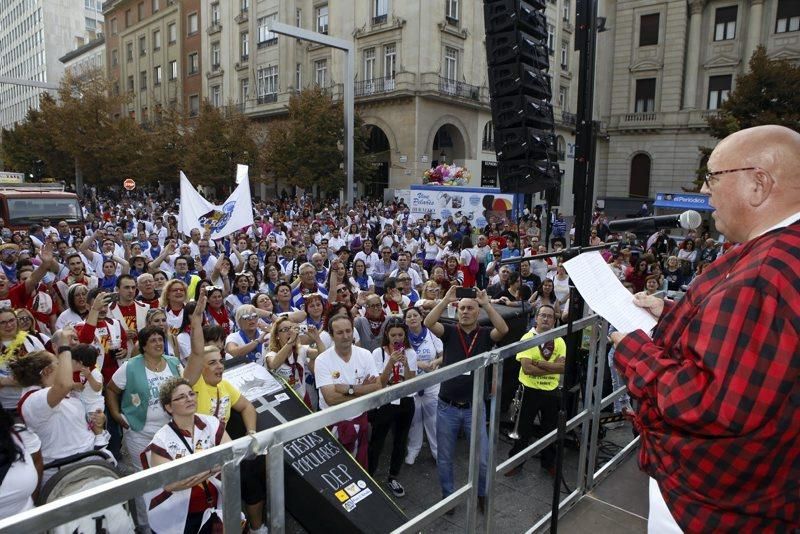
[303,327]
[466,292]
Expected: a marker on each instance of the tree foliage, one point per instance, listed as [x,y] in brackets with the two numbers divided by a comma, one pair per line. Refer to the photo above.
[307,147]
[84,125]
[768,93]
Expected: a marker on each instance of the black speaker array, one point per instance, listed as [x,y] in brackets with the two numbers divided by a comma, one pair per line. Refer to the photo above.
[521,95]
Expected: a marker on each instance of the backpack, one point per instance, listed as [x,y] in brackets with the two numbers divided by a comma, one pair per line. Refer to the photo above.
[473,263]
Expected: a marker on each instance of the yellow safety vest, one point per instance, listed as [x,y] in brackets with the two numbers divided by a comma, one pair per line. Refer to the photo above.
[544,382]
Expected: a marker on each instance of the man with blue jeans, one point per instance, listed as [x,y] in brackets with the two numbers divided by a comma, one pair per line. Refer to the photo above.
[454,412]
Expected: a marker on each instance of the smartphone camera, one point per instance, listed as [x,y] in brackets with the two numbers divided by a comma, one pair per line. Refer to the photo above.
[303,328]
[466,292]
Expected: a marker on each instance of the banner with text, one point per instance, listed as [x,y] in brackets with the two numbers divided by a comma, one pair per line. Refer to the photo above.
[478,205]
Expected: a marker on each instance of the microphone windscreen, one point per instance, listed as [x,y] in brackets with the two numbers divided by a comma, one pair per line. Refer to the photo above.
[690,220]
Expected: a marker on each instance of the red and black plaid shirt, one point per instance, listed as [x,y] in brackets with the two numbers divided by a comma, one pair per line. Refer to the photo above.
[719,390]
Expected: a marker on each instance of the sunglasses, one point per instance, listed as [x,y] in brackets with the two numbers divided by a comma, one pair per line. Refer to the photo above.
[249,316]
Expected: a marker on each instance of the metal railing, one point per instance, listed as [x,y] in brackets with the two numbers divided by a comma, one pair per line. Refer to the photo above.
[229,455]
[459,89]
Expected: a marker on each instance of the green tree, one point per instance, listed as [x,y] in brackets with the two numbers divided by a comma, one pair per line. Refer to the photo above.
[769,93]
[307,147]
[216,141]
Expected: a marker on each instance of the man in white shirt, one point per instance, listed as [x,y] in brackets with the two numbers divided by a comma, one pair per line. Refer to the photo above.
[368,256]
[404,266]
[343,372]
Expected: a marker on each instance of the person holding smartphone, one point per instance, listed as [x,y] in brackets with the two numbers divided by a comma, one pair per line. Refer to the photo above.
[397,362]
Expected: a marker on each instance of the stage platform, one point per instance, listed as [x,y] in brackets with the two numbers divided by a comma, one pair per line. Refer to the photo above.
[618,505]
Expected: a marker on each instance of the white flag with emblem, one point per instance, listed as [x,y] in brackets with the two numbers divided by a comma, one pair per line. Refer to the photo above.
[235,213]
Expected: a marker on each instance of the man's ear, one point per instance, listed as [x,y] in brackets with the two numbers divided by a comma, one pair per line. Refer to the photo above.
[761,186]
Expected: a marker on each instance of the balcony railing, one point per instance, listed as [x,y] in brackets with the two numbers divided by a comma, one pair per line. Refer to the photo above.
[487,144]
[459,89]
[379,19]
[268,42]
[641,117]
[375,86]
[268,98]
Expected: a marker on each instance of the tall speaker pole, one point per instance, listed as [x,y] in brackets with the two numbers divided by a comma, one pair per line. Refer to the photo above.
[583,190]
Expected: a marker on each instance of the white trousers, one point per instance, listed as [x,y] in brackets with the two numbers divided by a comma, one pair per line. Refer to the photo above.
[424,416]
[660,520]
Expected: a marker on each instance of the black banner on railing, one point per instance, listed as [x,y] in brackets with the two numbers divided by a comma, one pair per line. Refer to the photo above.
[326,489]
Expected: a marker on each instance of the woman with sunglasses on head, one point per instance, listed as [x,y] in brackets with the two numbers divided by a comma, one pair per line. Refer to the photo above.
[397,362]
[27,323]
[429,351]
[193,504]
[249,341]
[431,293]
[289,358]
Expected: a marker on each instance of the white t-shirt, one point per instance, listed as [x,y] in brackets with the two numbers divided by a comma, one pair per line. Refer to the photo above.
[331,369]
[21,479]
[68,317]
[136,441]
[62,429]
[380,356]
[237,339]
[93,400]
[429,348]
[286,372]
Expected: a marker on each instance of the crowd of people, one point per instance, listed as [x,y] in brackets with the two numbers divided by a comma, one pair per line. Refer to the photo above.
[114,334]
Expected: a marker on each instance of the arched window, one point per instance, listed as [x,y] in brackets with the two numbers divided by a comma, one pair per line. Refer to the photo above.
[561,146]
[639,185]
[488,136]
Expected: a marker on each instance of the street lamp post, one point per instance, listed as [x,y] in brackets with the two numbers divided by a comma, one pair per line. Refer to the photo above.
[349,89]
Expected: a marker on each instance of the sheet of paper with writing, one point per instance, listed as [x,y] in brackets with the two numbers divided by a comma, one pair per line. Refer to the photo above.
[605,294]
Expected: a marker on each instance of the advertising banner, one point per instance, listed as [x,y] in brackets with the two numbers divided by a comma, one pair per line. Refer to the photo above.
[478,205]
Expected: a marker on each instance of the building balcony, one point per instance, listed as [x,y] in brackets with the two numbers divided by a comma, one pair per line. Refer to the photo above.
[214,28]
[375,86]
[570,119]
[241,17]
[379,19]
[459,89]
[268,43]
[269,98]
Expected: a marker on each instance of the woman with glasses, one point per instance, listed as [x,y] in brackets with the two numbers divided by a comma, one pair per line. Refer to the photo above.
[15,342]
[431,293]
[173,300]
[397,362]
[429,350]
[289,359]
[249,341]
[192,504]
[28,324]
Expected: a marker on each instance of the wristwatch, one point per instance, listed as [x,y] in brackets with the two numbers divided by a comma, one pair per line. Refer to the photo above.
[351,390]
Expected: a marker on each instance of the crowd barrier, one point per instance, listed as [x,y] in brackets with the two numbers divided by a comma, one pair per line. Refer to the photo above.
[271,441]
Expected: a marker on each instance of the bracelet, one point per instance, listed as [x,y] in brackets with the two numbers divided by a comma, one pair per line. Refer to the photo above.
[64,348]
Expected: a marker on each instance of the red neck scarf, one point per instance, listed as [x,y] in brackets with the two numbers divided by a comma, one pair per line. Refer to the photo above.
[221,318]
[375,324]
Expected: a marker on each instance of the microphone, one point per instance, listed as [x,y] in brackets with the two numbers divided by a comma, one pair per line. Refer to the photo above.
[688,220]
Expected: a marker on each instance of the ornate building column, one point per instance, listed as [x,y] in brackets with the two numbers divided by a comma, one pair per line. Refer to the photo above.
[693,54]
